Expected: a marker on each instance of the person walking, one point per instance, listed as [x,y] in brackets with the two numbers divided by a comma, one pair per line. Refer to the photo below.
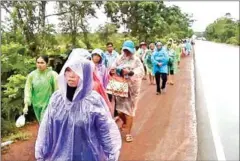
[160,67]
[130,68]
[77,125]
[40,85]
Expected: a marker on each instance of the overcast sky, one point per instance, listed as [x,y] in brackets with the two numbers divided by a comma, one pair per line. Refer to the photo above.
[204,12]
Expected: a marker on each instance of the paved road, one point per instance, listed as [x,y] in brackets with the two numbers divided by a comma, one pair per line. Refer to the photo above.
[217,100]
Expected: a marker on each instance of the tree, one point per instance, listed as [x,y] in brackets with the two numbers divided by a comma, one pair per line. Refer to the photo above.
[145,20]
[106,31]
[224,30]
[74,19]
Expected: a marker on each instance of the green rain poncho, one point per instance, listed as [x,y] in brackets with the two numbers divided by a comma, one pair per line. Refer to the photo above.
[178,51]
[148,61]
[173,58]
[38,89]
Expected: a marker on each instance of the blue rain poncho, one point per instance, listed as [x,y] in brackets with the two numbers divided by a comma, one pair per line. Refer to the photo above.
[160,56]
[81,129]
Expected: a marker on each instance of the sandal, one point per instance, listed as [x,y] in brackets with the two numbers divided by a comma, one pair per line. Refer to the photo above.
[129,138]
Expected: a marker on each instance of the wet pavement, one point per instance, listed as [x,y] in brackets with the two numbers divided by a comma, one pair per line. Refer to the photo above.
[217,100]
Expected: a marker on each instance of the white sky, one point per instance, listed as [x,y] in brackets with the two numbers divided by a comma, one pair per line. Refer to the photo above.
[204,12]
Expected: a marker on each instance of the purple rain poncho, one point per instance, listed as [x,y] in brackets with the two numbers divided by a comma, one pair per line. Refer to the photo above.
[81,130]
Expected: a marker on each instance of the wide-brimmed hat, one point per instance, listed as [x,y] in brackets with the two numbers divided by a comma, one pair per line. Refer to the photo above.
[143,43]
[129,45]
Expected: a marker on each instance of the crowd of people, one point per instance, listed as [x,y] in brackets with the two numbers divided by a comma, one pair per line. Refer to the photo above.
[78,109]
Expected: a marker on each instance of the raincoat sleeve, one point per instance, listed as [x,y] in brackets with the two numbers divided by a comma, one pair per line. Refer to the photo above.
[138,70]
[105,78]
[165,59]
[116,67]
[44,140]
[28,90]
[109,135]
[178,53]
[146,57]
[154,61]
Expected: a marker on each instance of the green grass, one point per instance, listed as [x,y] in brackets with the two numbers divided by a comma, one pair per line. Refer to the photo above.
[19,136]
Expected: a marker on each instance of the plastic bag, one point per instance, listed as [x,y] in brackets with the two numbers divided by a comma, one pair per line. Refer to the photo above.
[20,121]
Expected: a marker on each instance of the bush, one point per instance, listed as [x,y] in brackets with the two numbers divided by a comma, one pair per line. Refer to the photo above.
[233,41]
[16,64]
[7,127]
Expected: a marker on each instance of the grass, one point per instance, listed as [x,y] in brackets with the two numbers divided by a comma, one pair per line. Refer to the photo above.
[17,136]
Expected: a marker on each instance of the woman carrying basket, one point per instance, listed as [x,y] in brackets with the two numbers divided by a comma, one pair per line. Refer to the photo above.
[128,67]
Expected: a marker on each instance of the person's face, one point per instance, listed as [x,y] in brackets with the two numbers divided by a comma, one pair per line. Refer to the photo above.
[109,48]
[152,47]
[126,52]
[159,47]
[41,64]
[96,58]
[144,47]
[71,77]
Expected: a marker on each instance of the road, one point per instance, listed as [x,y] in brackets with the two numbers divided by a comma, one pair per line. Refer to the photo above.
[217,100]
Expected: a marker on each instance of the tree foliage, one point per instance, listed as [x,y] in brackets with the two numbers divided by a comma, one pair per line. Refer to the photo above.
[26,34]
[149,20]
[224,29]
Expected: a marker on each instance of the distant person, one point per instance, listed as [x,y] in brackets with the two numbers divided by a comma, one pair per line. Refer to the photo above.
[141,54]
[101,70]
[160,67]
[188,47]
[184,49]
[178,51]
[110,55]
[148,63]
[172,63]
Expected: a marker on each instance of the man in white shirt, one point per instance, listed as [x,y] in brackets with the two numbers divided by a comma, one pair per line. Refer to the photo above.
[142,54]
[110,55]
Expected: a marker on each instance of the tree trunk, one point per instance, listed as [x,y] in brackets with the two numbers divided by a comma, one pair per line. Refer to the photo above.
[74,26]
[43,13]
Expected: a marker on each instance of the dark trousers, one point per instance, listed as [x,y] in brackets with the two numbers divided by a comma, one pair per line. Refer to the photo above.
[110,97]
[145,69]
[164,80]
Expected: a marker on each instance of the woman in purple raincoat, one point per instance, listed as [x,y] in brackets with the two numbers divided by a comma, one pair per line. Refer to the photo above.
[102,73]
[77,125]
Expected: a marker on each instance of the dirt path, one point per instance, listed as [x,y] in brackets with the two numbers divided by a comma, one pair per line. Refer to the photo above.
[22,150]
[164,126]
